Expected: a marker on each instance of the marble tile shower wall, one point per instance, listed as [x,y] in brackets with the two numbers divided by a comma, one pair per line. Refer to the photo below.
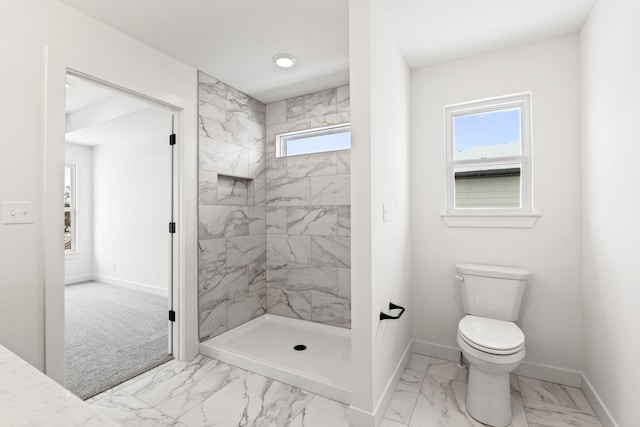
[231,207]
[308,209]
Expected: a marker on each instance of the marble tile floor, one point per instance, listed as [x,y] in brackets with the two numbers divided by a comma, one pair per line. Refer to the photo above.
[432,393]
[206,392]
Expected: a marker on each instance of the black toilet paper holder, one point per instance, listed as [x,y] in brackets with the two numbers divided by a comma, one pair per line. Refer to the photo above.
[392,306]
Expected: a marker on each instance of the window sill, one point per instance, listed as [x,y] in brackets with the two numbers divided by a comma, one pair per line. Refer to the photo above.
[71,255]
[490,220]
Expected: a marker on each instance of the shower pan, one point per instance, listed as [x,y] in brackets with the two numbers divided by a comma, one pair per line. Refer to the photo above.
[313,356]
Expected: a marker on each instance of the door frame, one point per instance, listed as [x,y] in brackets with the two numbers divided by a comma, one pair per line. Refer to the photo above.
[134,80]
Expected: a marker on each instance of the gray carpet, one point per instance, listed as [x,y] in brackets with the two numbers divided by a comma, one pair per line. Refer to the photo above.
[112,335]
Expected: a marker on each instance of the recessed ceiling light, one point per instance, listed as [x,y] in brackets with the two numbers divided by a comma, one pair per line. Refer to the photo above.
[284,60]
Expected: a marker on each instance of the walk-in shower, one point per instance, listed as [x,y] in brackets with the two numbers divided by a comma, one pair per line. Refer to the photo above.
[274,235]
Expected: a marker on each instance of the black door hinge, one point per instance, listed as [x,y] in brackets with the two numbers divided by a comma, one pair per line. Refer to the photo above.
[172,139]
[172,316]
[172,227]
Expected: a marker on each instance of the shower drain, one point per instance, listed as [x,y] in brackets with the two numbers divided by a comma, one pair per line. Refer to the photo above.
[300,347]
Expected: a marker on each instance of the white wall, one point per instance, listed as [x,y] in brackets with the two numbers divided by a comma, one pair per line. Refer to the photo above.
[611,206]
[551,309]
[390,184]
[380,174]
[39,39]
[78,266]
[132,200]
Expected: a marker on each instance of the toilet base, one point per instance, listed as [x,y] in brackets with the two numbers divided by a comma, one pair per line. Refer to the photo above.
[489,397]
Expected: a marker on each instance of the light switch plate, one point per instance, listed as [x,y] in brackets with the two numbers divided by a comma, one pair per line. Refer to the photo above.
[17,212]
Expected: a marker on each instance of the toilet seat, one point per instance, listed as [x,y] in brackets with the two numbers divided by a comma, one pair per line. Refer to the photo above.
[491,336]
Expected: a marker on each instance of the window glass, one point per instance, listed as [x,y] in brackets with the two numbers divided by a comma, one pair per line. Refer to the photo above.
[488,155]
[487,135]
[319,144]
[317,140]
[69,208]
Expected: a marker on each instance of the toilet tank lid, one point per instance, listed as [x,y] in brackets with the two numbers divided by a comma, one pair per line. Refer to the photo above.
[497,271]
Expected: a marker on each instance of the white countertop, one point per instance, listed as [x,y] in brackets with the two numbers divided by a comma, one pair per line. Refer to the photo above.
[30,398]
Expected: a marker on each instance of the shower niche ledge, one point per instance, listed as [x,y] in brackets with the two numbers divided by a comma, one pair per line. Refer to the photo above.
[312,356]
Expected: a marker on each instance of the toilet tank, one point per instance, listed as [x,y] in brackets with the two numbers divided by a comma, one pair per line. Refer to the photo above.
[492,291]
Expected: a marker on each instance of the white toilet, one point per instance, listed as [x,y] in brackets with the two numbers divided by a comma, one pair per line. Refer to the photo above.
[488,338]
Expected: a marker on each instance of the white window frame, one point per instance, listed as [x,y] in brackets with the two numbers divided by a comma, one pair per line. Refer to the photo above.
[283,138]
[491,216]
[73,210]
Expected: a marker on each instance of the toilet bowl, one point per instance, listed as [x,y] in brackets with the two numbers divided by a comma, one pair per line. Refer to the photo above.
[493,348]
[489,339]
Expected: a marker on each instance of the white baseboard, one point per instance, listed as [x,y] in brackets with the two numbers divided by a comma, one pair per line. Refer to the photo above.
[596,403]
[550,373]
[131,285]
[78,279]
[527,369]
[360,418]
[435,350]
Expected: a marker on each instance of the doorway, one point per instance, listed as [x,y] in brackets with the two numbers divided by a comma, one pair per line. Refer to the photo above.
[119,207]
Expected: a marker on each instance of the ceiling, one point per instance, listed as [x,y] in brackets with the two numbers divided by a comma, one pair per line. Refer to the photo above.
[235,40]
[99,115]
[432,31]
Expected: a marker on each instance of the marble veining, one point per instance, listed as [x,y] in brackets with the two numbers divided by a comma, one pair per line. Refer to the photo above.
[221,285]
[223,157]
[289,303]
[277,220]
[232,196]
[330,119]
[312,105]
[213,320]
[288,192]
[313,220]
[232,191]
[309,277]
[212,121]
[330,309]
[245,132]
[223,221]
[265,402]
[331,190]
[312,165]
[246,307]
[257,275]
[308,195]
[207,188]
[289,248]
[344,161]
[556,394]
[257,220]
[126,410]
[432,392]
[205,392]
[331,251]
[245,250]
[344,221]
[182,386]
[289,126]
[276,167]
[544,414]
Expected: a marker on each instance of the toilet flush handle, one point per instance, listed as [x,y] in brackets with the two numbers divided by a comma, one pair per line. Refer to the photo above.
[458,277]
